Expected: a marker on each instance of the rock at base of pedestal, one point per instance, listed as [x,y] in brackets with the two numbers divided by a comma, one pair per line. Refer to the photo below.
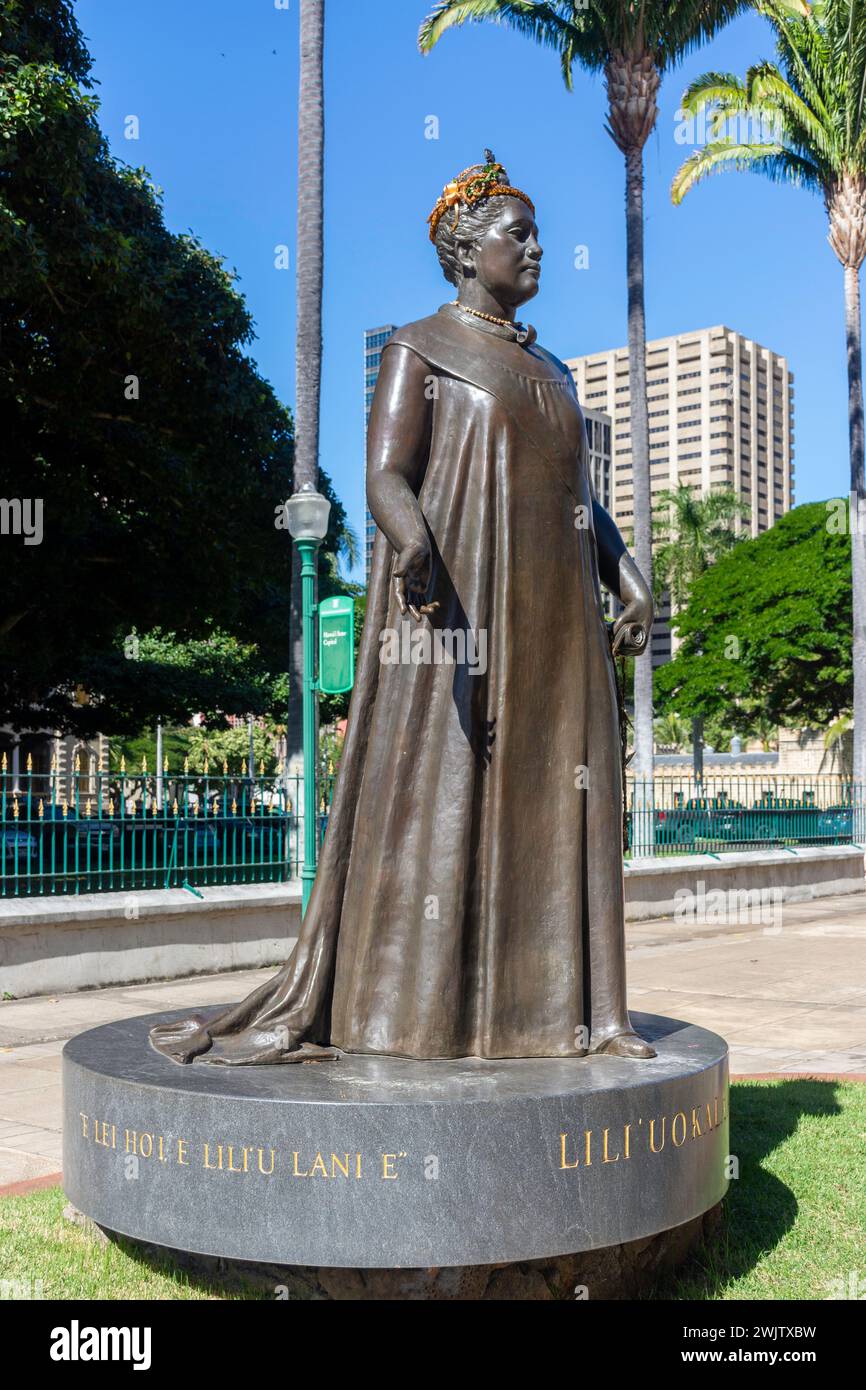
[617,1272]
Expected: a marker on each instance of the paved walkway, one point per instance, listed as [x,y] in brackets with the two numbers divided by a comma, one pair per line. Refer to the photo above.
[790,997]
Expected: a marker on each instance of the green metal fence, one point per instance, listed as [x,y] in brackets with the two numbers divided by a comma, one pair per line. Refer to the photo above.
[109,832]
[741,812]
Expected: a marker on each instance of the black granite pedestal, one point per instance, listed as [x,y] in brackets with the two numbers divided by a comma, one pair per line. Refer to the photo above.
[368,1163]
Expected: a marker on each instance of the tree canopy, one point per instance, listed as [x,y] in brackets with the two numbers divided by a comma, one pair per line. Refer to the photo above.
[131,410]
[767,629]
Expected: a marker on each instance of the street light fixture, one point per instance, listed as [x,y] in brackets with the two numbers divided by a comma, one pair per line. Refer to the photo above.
[307,514]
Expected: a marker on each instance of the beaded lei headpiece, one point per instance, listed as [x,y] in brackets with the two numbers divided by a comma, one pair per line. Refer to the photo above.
[470,187]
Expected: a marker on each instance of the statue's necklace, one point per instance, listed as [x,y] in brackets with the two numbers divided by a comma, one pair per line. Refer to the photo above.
[521,332]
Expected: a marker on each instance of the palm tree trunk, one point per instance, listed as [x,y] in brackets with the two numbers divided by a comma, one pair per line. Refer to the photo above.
[642,763]
[308,353]
[858,517]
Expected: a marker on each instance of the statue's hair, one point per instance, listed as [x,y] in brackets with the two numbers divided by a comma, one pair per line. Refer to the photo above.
[472,223]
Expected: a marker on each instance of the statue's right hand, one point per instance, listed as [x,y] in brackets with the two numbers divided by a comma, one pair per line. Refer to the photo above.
[412,573]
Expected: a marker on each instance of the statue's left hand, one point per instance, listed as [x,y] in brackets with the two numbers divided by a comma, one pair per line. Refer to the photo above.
[631,631]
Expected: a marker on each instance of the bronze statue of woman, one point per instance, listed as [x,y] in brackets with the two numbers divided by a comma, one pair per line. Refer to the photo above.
[469,896]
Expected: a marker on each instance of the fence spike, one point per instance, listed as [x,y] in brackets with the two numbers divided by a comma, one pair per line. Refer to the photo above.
[3,763]
[123,762]
[29,762]
[41,807]
[15,807]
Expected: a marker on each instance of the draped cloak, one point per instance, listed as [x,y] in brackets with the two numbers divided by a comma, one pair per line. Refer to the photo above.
[469,894]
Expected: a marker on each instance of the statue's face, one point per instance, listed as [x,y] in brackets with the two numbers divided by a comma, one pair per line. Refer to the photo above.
[507,259]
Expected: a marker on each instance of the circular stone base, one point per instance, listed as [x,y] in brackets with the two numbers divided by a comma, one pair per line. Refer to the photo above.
[384,1163]
[624,1271]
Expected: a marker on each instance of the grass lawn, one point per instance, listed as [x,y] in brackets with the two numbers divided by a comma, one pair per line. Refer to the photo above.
[795,1218]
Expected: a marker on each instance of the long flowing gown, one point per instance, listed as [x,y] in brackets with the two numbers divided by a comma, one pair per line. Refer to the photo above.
[469,895]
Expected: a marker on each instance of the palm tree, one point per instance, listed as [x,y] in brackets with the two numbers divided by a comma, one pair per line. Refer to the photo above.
[308,351]
[695,531]
[671,732]
[814,101]
[633,43]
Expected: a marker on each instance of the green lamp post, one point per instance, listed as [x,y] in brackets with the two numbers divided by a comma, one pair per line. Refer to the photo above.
[307,514]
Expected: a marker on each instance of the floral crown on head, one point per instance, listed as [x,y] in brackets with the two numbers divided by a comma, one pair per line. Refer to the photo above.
[478,181]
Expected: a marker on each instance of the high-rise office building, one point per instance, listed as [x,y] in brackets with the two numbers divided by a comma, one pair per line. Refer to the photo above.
[374,341]
[599,432]
[721,414]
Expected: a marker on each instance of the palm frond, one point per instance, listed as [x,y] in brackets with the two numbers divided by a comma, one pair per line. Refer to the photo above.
[537,19]
[714,89]
[805,54]
[348,545]
[774,160]
[769,91]
[678,27]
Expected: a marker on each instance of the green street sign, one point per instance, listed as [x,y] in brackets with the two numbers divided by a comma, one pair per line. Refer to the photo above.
[336,645]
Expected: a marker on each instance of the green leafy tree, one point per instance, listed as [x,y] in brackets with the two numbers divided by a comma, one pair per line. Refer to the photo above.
[231,748]
[694,532]
[214,675]
[812,102]
[766,632]
[632,43]
[132,412]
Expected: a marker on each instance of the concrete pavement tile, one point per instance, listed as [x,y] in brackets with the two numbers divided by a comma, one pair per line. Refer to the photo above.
[22,1167]
[816,1062]
[762,969]
[25,1137]
[745,1062]
[173,993]
[62,1016]
[12,1128]
[24,1078]
[44,1050]
[722,1012]
[37,1108]
[44,1145]
[813,1029]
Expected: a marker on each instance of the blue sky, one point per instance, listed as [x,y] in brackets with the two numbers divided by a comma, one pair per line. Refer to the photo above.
[214,85]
